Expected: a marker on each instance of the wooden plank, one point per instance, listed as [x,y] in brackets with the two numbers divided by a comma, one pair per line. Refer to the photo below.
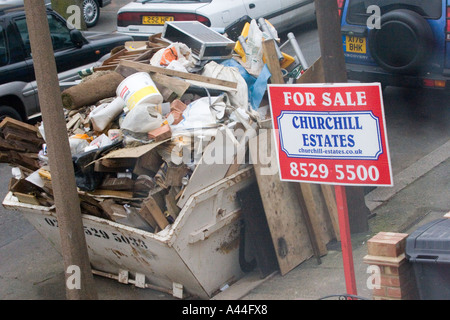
[171,203]
[18,124]
[314,74]
[148,217]
[148,54]
[330,200]
[27,198]
[272,61]
[9,145]
[318,215]
[288,228]
[174,73]
[156,212]
[127,195]
[178,86]
[114,56]
[281,205]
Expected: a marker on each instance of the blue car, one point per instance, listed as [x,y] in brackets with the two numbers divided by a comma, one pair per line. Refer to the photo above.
[404,43]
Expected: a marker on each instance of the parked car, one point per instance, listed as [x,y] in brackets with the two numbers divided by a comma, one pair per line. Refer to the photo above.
[91,11]
[73,51]
[409,48]
[91,8]
[142,18]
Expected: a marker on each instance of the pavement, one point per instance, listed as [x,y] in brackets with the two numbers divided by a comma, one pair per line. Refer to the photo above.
[31,269]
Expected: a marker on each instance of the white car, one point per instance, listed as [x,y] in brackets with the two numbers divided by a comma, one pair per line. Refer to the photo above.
[142,18]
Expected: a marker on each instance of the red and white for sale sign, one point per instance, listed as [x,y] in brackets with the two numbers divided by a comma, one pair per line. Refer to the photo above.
[331,133]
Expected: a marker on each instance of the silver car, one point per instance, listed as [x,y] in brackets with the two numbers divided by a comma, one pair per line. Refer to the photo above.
[141,18]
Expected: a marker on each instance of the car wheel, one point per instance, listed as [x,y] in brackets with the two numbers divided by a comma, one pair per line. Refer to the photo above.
[402,44]
[7,111]
[91,12]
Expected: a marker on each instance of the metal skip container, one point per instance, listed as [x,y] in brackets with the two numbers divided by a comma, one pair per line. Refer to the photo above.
[195,256]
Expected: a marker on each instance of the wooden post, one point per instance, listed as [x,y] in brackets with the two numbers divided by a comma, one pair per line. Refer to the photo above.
[335,71]
[73,242]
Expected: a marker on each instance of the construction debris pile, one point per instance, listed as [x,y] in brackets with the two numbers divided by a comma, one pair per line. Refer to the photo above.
[140,124]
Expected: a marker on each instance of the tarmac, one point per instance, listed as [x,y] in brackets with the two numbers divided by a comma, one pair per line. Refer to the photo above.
[31,269]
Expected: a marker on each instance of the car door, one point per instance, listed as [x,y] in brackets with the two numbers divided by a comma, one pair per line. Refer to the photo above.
[16,72]
[67,54]
[268,9]
[296,12]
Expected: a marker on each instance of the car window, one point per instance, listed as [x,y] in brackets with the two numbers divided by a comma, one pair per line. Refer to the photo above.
[58,30]
[3,52]
[356,14]
[60,34]
[21,25]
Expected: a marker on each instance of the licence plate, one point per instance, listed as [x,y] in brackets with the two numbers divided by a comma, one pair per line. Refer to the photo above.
[355,44]
[156,19]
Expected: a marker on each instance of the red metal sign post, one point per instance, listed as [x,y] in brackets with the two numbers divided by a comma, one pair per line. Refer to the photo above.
[334,71]
[332,134]
[346,242]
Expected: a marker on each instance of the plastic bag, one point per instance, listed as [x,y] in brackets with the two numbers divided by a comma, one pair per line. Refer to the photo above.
[254,59]
[239,98]
[174,52]
[142,119]
[99,142]
[203,112]
[86,178]
[78,143]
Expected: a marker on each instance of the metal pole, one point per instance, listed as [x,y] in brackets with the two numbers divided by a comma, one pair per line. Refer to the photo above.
[346,241]
[329,30]
[73,242]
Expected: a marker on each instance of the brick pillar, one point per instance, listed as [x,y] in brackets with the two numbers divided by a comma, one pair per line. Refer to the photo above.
[397,281]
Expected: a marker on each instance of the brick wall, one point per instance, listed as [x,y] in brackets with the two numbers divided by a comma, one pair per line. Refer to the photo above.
[386,250]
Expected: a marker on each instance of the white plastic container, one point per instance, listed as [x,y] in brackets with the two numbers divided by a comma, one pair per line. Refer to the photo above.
[139,88]
[105,113]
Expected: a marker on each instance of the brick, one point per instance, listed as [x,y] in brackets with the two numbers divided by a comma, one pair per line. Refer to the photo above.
[174,117]
[394,292]
[387,244]
[391,270]
[381,292]
[161,133]
[177,105]
[390,281]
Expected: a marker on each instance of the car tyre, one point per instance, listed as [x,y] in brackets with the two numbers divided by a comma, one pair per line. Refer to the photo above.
[7,111]
[91,12]
[402,44]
